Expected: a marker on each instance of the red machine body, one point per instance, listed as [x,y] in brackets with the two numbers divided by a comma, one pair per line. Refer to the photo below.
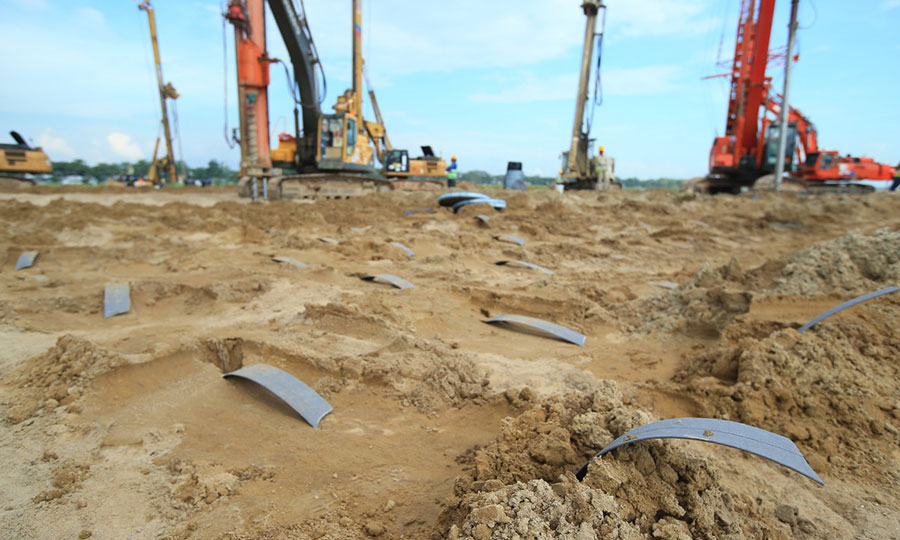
[741,145]
[825,165]
[748,149]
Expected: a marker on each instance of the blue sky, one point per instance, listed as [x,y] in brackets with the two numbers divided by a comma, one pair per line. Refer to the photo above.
[489,81]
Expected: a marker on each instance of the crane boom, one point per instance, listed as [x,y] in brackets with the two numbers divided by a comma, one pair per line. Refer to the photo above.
[166,91]
[578,163]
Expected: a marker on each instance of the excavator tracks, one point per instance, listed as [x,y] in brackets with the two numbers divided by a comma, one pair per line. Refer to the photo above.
[317,186]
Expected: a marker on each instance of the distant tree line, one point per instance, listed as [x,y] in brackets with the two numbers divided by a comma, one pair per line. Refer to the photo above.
[488,179]
[215,171]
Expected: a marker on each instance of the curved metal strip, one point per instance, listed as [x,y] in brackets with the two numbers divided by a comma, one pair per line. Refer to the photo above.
[750,439]
[845,305]
[542,326]
[289,260]
[510,238]
[450,199]
[116,299]
[526,265]
[671,285]
[409,252]
[26,259]
[398,282]
[496,204]
[303,399]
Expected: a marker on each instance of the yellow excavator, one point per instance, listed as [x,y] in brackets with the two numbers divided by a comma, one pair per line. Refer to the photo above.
[333,154]
[19,159]
[426,172]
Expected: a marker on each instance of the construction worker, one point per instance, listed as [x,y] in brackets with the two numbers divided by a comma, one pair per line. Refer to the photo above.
[896,183]
[452,172]
[605,167]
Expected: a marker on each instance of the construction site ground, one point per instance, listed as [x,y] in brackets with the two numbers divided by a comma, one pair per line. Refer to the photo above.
[444,426]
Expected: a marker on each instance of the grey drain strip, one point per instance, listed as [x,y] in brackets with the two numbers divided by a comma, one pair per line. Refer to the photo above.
[116,299]
[845,305]
[665,284]
[510,238]
[26,259]
[289,260]
[496,204]
[555,330]
[452,198]
[303,399]
[398,282]
[750,439]
[526,265]
[409,252]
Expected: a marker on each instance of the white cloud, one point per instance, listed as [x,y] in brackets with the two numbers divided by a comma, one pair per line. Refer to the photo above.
[35,5]
[55,147]
[640,18]
[887,5]
[616,81]
[88,18]
[473,34]
[532,89]
[122,146]
[640,80]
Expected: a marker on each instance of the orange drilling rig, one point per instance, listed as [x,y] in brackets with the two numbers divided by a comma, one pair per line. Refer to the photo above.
[749,148]
[333,155]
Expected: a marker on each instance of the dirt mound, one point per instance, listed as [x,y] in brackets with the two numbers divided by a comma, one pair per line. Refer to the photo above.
[832,390]
[57,377]
[522,484]
[67,478]
[702,307]
[202,483]
[852,264]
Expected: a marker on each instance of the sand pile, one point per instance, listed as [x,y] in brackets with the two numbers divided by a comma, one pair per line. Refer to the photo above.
[444,426]
[852,264]
[832,390]
[522,485]
[58,377]
[703,307]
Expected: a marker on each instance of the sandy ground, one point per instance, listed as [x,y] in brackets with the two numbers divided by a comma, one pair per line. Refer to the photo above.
[444,426]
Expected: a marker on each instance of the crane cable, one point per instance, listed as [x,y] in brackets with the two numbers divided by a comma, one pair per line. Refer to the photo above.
[178,138]
[228,141]
[598,85]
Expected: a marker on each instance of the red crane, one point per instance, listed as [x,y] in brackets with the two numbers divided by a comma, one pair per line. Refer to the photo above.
[749,148]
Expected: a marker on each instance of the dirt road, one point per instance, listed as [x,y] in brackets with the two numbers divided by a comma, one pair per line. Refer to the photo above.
[444,426]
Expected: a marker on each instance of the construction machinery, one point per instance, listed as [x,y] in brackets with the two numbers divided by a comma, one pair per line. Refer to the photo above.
[749,148]
[823,169]
[20,159]
[426,172]
[166,92]
[332,155]
[579,170]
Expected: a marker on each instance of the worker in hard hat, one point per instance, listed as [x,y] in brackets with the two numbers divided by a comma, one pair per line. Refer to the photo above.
[605,167]
[452,172]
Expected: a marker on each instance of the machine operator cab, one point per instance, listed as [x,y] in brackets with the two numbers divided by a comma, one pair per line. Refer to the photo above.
[397,164]
[770,152]
[342,145]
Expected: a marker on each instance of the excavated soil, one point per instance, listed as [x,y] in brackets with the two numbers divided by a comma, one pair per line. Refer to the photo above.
[444,426]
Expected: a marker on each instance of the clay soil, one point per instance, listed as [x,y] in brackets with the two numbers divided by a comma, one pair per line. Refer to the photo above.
[445,426]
